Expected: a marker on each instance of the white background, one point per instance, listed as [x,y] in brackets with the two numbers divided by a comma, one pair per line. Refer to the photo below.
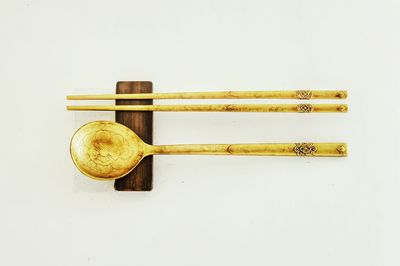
[203,210]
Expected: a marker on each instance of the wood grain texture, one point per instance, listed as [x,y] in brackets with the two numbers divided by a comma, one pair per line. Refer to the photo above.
[141,178]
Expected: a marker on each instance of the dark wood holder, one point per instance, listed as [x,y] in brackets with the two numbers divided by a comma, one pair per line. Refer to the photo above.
[141,178]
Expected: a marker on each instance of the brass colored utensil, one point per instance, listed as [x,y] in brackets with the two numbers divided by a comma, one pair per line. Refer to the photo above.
[107,150]
[282,108]
[294,94]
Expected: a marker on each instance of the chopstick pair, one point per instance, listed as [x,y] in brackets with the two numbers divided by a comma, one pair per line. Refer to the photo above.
[291,108]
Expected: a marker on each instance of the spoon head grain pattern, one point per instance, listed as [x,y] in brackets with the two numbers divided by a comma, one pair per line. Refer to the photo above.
[106,150]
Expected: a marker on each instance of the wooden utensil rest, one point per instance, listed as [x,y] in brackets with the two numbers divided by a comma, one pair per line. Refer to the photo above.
[141,178]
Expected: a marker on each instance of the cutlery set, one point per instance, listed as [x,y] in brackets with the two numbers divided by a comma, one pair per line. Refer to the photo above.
[106,150]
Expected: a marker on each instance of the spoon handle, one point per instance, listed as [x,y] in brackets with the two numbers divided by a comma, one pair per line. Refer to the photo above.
[266,149]
[292,94]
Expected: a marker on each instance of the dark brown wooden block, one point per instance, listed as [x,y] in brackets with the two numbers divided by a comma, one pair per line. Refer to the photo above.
[141,178]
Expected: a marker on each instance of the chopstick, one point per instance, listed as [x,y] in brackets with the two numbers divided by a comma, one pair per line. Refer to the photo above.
[281,108]
[293,94]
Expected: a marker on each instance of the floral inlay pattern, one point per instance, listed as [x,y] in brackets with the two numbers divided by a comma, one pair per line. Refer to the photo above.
[304,149]
[304,94]
[305,108]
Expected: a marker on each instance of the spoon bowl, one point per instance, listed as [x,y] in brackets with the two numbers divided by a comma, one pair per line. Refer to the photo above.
[106,150]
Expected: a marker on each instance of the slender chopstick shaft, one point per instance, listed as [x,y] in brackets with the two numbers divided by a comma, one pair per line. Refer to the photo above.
[294,94]
[281,108]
